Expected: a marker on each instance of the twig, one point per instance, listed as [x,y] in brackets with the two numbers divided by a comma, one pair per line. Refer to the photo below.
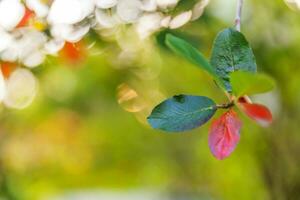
[239,14]
[225,105]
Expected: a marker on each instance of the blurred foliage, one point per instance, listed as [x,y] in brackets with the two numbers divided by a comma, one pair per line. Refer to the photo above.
[78,135]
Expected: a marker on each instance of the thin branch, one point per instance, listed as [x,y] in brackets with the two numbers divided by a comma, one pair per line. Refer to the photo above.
[239,14]
[225,105]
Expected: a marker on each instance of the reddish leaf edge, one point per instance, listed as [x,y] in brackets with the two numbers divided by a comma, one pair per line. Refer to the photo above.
[224,134]
[257,112]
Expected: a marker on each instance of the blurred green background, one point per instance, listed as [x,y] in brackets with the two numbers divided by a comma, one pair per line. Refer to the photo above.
[85,136]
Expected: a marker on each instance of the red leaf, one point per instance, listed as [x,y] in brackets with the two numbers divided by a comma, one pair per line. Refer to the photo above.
[257,112]
[224,134]
[29,14]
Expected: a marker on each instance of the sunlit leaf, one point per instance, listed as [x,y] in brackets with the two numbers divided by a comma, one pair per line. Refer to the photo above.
[245,83]
[259,113]
[181,113]
[231,52]
[186,50]
[224,135]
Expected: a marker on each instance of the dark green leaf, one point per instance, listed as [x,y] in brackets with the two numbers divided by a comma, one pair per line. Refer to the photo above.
[231,52]
[184,49]
[182,113]
[245,83]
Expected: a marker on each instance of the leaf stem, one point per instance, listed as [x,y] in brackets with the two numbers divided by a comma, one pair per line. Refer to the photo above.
[239,14]
[225,105]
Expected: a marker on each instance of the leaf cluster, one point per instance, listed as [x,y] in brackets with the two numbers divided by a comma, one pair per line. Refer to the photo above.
[233,67]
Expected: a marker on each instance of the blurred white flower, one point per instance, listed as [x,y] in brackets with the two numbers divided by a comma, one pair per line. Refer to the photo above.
[165,22]
[70,33]
[21,88]
[149,16]
[129,11]
[106,19]
[34,59]
[149,5]
[165,4]
[25,41]
[71,20]
[105,4]
[180,20]
[40,8]
[199,9]
[69,11]
[11,13]
[5,39]
[53,46]
[148,24]
[294,4]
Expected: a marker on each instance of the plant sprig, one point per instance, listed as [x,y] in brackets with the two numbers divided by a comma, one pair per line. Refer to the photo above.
[232,65]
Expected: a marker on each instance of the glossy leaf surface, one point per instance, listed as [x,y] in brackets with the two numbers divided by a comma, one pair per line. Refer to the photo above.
[259,113]
[231,52]
[182,113]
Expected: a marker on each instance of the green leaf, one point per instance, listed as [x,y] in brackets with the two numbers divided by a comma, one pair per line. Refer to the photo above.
[245,83]
[186,50]
[182,113]
[231,52]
